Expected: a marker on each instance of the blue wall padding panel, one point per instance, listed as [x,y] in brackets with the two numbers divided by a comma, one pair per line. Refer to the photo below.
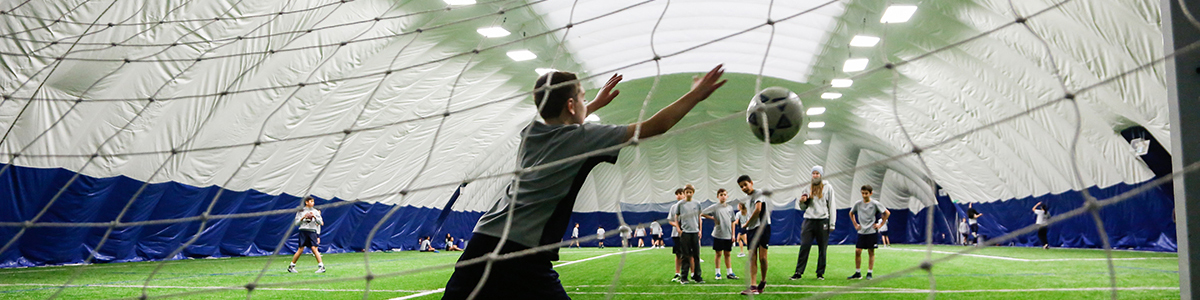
[1142,222]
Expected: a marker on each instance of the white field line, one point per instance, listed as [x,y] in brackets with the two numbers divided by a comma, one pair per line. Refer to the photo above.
[419,294]
[201,287]
[1032,260]
[1147,288]
[597,257]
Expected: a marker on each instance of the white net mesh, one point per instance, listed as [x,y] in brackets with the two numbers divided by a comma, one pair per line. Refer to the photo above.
[25,89]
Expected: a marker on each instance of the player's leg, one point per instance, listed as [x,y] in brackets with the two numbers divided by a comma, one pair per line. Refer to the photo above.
[806,240]
[870,261]
[822,237]
[296,257]
[857,262]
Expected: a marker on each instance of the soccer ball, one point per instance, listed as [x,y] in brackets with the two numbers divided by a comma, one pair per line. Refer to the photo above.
[783,113]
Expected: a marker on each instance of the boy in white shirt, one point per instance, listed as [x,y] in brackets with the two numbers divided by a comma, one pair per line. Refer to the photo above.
[310,222]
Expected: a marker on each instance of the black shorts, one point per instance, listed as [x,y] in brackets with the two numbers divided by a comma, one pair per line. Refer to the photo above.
[658,237]
[308,238]
[866,241]
[522,277]
[675,245]
[763,242]
[722,244]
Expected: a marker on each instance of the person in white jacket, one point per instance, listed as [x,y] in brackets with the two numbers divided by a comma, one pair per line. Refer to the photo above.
[820,213]
[310,222]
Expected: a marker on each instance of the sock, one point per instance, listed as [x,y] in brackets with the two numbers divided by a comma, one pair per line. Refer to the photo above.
[676,274]
[730,270]
[857,270]
[869,271]
[718,271]
[293,264]
[321,265]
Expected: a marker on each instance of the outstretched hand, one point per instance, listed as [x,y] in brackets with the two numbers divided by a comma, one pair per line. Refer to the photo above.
[704,86]
[607,93]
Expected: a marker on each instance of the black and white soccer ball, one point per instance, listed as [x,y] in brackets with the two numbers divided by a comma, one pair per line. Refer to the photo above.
[782,111]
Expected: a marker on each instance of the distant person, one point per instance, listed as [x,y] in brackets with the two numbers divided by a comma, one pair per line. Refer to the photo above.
[1042,213]
[973,220]
[640,235]
[965,231]
[656,239]
[820,214]
[575,237]
[883,233]
[600,236]
[862,216]
[310,222]
[450,246]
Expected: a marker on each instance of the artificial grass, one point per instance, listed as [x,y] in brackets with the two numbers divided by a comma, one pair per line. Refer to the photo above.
[997,273]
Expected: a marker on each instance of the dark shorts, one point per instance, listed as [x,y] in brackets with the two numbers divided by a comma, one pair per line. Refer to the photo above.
[525,277]
[308,238]
[675,245]
[763,242]
[658,237]
[722,244]
[867,241]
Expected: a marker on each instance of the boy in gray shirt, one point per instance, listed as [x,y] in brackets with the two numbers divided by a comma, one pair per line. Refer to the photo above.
[862,215]
[722,233]
[687,215]
[537,208]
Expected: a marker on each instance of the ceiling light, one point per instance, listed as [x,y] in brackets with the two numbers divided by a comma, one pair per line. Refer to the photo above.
[592,118]
[812,142]
[493,32]
[863,41]
[543,71]
[459,2]
[816,124]
[521,55]
[898,13]
[841,83]
[831,95]
[852,65]
[815,111]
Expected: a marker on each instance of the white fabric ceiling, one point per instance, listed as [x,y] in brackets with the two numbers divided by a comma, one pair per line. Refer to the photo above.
[399,140]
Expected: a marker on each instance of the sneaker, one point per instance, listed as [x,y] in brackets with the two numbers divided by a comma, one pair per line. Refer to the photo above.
[683,281]
[868,276]
[698,280]
[676,279]
[1046,246]
[855,276]
[761,286]
[320,269]
[732,276]
[718,276]
[701,260]
[292,269]
[750,291]
[795,277]
[743,254]
[820,277]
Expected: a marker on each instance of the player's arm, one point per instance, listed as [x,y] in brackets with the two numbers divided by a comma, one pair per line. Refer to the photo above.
[702,87]
[853,220]
[1035,206]
[758,208]
[299,218]
[317,217]
[606,95]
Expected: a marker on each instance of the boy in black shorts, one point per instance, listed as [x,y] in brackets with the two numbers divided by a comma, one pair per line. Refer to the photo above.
[310,221]
[862,215]
[758,227]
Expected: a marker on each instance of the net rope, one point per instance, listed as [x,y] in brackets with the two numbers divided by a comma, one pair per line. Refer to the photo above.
[1092,205]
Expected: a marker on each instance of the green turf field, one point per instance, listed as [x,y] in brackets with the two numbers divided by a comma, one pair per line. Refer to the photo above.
[994,273]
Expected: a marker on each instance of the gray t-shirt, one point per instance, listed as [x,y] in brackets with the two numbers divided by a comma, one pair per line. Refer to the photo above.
[722,227]
[687,214]
[655,228]
[543,198]
[752,201]
[865,213]
[671,217]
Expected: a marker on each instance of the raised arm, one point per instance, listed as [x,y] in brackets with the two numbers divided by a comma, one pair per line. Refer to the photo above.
[702,87]
[606,95]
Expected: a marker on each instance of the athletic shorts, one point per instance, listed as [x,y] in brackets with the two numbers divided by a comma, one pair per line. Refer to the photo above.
[866,241]
[722,244]
[308,238]
[763,242]
[658,237]
[675,245]
[522,277]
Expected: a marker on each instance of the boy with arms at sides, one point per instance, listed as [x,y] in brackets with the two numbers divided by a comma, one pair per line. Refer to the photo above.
[310,222]
[862,215]
[600,236]
[722,233]
[656,233]
[817,202]
[739,232]
[758,229]
[687,220]
[540,202]
[675,230]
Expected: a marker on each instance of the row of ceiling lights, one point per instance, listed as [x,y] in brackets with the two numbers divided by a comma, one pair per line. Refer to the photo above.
[893,14]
